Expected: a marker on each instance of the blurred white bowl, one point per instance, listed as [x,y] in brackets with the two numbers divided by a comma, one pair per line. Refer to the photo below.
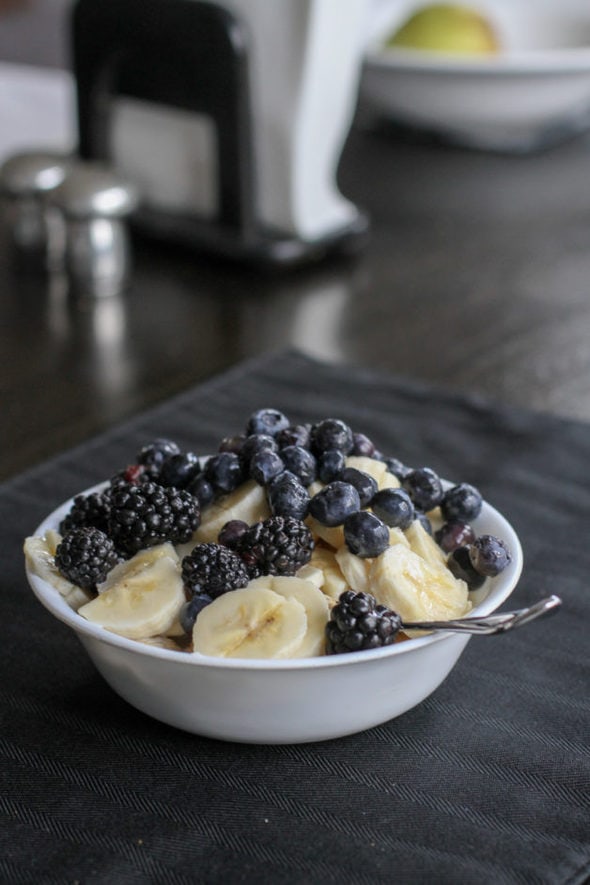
[535,92]
[278,702]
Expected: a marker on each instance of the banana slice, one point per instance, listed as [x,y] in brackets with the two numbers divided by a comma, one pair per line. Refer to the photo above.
[40,558]
[415,588]
[397,536]
[130,568]
[141,597]
[252,622]
[247,503]
[425,546]
[332,535]
[316,608]
[333,581]
[312,573]
[377,469]
[355,570]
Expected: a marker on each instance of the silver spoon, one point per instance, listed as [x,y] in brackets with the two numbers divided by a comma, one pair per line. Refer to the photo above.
[489,624]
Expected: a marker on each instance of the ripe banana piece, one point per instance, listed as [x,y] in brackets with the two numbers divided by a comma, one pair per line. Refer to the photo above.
[418,590]
[333,581]
[40,559]
[141,597]
[355,569]
[424,545]
[317,610]
[332,535]
[252,622]
[247,503]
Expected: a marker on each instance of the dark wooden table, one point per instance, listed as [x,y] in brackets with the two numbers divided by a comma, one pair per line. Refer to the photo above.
[476,278]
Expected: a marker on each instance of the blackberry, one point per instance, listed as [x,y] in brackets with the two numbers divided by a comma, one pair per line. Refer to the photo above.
[357,622]
[278,545]
[85,556]
[149,514]
[86,510]
[212,569]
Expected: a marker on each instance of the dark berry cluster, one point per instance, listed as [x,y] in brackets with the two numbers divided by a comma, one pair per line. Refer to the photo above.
[85,556]
[357,623]
[160,495]
[279,545]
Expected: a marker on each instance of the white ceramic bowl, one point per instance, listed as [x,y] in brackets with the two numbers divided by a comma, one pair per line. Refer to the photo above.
[536,91]
[277,702]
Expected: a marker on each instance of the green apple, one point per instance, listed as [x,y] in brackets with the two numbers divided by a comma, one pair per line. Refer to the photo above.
[446,28]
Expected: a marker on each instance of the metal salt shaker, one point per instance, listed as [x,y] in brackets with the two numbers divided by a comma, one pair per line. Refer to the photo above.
[26,181]
[94,202]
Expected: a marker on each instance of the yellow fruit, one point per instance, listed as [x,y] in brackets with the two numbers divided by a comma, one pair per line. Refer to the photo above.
[447,28]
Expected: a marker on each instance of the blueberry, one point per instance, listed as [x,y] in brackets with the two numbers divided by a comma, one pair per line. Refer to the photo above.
[331,433]
[256,442]
[189,611]
[394,507]
[330,464]
[268,421]
[300,462]
[179,470]
[232,443]
[459,563]
[334,503]
[155,453]
[202,490]
[454,534]
[424,521]
[264,466]
[294,435]
[365,534]
[489,556]
[287,496]
[232,532]
[424,488]
[461,503]
[362,445]
[397,468]
[224,472]
[365,485]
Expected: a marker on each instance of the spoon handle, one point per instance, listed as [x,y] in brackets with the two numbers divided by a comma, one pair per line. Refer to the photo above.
[489,624]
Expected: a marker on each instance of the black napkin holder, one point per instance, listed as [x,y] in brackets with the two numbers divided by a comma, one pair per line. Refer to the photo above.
[192,56]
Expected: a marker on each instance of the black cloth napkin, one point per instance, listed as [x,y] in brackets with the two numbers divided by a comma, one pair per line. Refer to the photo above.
[487,781]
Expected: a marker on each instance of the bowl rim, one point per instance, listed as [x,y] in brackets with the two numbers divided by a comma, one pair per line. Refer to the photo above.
[540,62]
[500,589]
